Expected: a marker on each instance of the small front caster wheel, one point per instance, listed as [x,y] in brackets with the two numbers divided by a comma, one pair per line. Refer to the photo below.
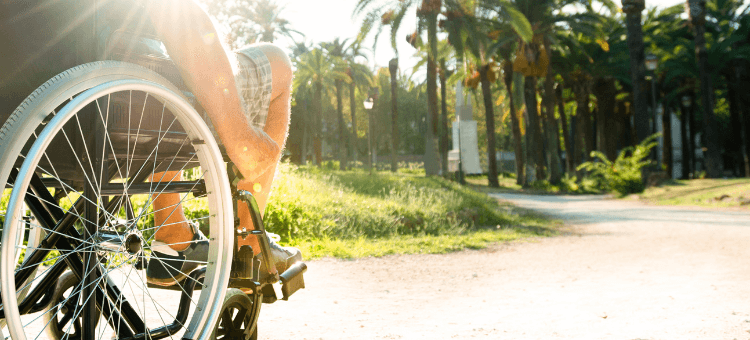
[64,317]
[236,319]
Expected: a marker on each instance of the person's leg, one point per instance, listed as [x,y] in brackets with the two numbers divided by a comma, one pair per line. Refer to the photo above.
[169,218]
[277,127]
[175,229]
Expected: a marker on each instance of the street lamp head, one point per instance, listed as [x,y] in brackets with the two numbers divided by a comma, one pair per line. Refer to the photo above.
[369,103]
[686,101]
[652,62]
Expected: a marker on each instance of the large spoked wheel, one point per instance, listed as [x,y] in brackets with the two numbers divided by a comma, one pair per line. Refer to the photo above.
[236,321]
[86,146]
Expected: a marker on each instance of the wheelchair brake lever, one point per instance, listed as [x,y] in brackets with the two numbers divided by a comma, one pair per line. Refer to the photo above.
[260,233]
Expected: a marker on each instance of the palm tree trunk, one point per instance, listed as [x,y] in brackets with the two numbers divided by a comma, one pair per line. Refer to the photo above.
[566,133]
[305,132]
[685,143]
[431,162]
[393,69]
[743,82]
[666,123]
[606,137]
[737,110]
[318,126]
[535,150]
[342,130]
[713,160]
[583,114]
[637,68]
[515,124]
[443,119]
[353,110]
[490,120]
[693,129]
[551,131]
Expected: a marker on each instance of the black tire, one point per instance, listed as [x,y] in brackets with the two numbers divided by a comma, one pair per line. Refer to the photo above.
[235,318]
[56,330]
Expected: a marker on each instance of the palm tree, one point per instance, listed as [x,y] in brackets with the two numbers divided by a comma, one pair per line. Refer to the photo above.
[534,60]
[515,121]
[251,21]
[470,29]
[336,50]
[714,163]
[391,13]
[445,52]
[632,10]
[318,69]
[393,71]
[360,77]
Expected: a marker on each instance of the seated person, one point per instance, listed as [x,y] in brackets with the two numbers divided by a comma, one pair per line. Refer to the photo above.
[246,94]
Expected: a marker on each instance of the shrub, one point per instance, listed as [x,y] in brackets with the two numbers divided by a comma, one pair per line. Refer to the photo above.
[568,183]
[543,185]
[624,174]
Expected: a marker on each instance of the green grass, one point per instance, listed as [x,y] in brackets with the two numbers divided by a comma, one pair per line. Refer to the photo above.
[427,244]
[351,214]
[543,187]
[700,192]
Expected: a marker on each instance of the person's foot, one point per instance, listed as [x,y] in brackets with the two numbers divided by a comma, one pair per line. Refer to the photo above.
[167,266]
[283,257]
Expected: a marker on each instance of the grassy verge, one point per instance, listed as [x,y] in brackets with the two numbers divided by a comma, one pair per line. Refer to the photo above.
[700,192]
[508,184]
[350,214]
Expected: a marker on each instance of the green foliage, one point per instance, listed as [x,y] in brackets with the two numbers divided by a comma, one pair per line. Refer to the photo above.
[624,174]
[428,244]
[543,185]
[310,203]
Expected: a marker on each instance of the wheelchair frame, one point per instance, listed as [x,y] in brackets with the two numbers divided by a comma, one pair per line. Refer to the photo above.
[247,272]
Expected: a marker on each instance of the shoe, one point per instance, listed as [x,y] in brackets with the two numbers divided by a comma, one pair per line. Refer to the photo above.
[167,267]
[283,257]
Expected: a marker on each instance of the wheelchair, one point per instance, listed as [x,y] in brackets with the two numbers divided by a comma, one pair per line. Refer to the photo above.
[76,157]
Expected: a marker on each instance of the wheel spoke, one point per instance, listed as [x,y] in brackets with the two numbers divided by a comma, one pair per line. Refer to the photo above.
[153,137]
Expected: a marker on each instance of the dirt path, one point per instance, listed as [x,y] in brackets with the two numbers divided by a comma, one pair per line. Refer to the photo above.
[628,271]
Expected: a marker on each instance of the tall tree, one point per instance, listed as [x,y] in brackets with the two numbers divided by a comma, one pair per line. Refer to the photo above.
[319,69]
[714,163]
[360,77]
[632,10]
[393,71]
[475,30]
[251,21]
[391,13]
[515,121]
[547,17]
[445,53]
[336,50]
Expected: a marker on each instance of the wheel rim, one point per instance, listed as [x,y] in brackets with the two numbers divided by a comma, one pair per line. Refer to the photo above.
[119,267]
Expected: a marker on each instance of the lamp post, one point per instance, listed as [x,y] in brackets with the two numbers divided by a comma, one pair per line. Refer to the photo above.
[368,106]
[652,62]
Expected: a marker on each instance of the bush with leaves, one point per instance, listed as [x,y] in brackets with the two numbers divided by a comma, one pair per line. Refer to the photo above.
[624,174]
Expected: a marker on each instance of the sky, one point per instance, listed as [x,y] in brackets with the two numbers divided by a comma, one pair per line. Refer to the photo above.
[324,20]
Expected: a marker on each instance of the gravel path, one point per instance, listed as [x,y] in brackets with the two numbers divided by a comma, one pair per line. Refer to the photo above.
[626,271]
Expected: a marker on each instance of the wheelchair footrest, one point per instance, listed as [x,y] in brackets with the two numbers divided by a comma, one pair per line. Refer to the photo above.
[292,280]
